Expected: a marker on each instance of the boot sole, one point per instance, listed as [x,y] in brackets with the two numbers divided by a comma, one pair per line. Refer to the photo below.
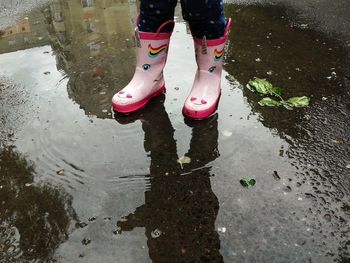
[201,115]
[137,105]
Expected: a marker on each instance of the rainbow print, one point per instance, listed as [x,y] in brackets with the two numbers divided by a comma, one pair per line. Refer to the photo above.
[218,54]
[154,52]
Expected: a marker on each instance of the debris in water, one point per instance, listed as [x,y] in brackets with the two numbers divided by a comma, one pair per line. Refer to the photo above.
[184,159]
[226,133]
[86,241]
[156,233]
[222,229]
[335,141]
[287,189]
[117,231]
[276,176]
[2,86]
[263,87]
[93,218]
[81,224]
[60,172]
[246,182]
[327,217]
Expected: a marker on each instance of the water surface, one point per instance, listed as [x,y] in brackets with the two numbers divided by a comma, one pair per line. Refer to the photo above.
[81,184]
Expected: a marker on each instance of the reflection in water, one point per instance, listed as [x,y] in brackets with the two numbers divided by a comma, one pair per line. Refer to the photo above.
[27,33]
[266,44]
[34,218]
[180,208]
[302,62]
[93,44]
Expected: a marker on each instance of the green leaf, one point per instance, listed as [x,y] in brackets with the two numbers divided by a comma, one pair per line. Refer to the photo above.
[269,102]
[276,91]
[287,105]
[261,86]
[246,182]
[299,101]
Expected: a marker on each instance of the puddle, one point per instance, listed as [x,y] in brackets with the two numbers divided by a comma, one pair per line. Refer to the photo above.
[95,186]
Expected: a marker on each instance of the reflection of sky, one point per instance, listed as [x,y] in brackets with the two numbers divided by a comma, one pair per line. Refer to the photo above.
[29,67]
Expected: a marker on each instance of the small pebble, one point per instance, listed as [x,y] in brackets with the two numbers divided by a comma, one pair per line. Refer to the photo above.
[222,229]
[156,233]
[226,133]
[86,241]
[81,224]
[60,172]
[93,218]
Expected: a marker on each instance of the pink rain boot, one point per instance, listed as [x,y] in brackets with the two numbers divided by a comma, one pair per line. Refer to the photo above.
[205,93]
[148,81]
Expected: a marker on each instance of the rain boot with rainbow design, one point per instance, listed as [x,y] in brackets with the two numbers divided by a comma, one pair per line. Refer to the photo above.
[206,90]
[148,81]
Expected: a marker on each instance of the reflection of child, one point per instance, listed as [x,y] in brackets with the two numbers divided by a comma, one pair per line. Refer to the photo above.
[154,27]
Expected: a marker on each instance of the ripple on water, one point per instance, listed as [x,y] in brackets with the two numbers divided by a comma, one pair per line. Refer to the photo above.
[52,164]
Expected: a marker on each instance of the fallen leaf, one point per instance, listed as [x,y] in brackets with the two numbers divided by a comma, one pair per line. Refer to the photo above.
[268,102]
[335,141]
[184,159]
[261,86]
[299,101]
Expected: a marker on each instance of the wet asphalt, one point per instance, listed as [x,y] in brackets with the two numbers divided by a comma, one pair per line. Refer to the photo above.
[80,183]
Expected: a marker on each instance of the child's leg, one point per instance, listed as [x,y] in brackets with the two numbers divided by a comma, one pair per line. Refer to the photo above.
[155,25]
[209,29]
[153,13]
[205,17]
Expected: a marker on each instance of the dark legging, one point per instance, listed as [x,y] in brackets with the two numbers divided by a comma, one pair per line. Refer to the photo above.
[205,17]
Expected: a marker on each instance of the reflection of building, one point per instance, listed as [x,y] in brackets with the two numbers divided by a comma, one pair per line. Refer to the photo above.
[27,33]
[94,45]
